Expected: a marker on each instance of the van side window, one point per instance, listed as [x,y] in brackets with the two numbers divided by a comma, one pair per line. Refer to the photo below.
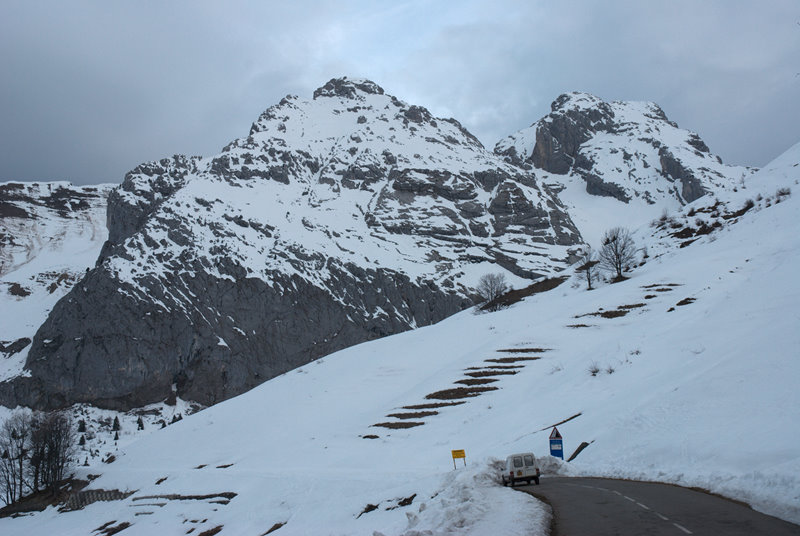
[528,460]
[517,461]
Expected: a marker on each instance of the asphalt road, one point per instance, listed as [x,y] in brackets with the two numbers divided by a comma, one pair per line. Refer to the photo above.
[601,507]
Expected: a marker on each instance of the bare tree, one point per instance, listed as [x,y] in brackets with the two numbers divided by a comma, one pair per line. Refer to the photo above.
[491,286]
[589,265]
[59,452]
[618,251]
[36,452]
[14,436]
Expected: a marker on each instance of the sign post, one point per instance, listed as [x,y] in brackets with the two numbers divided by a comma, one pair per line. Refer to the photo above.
[458,454]
[556,444]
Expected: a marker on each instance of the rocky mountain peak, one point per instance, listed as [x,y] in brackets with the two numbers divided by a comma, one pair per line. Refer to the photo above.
[348,88]
[578,101]
[620,149]
[581,103]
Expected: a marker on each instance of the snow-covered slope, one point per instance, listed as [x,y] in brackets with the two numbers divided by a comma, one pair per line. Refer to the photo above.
[695,382]
[617,163]
[338,219]
[50,234]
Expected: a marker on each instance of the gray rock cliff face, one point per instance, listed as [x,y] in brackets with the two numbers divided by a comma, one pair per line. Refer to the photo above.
[241,332]
[622,150]
[337,220]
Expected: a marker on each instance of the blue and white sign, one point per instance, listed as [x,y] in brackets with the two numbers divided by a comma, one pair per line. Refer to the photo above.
[556,444]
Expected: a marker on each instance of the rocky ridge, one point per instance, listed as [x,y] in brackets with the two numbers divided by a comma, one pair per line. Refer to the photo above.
[626,151]
[337,220]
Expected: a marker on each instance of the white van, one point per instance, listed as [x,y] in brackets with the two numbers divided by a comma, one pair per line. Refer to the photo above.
[521,467]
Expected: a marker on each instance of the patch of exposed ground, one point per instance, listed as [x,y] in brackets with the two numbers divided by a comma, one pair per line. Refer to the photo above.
[401,503]
[367,509]
[476,381]
[497,367]
[413,415]
[614,313]
[735,214]
[524,350]
[15,289]
[459,392]
[70,280]
[621,310]
[274,527]
[111,528]
[222,498]
[511,359]
[36,502]
[515,296]
[398,425]
[490,373]
[578,326]
[433,405]
[685,301]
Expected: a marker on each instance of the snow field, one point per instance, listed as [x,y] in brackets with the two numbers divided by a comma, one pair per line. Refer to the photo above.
[703,395]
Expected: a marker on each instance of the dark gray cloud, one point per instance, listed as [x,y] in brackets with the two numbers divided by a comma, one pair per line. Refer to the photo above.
[92,88]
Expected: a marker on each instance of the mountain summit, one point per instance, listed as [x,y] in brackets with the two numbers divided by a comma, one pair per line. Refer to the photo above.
[336,220]
[624,151]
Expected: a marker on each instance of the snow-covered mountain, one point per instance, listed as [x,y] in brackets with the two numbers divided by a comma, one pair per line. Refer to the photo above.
[686,372]
[617,163]
[337,220]
[50,234]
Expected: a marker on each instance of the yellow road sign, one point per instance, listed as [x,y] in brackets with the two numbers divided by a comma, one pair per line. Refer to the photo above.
[458,454]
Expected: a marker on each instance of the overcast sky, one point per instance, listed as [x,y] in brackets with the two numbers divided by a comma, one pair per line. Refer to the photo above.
[90,89]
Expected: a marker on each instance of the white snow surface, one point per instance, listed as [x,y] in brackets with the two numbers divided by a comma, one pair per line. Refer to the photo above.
[45,254]
[701,394]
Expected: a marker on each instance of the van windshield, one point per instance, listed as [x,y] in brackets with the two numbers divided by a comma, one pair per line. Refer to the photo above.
[517,461]
[528,460]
